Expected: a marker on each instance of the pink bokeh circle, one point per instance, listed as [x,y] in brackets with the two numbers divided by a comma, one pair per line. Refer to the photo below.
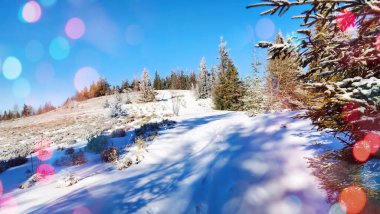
[31,12]
[75,28]
[84,77]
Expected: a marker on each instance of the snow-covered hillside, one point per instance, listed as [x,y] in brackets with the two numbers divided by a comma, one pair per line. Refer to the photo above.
[208,162]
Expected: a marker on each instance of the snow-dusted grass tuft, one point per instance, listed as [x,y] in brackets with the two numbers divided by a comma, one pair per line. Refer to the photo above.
[134,156]
[31,181]
[140,143]
[68,180]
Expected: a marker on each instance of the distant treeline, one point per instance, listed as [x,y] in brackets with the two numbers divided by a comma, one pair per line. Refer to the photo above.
[27,110]
[176,80]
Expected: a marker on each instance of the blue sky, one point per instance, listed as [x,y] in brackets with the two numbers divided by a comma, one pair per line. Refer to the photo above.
[122,37]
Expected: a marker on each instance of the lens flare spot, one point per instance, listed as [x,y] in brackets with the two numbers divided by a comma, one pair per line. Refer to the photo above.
[345,20]
[43,149]
[81,210]
[337,209]
[361,151]
[44,73]
[31,12]
[45,171]
[371,174]
[12,68]
[1,188]
[374,141]
[47,3]
[75,28]
[84,77]
[265,28]
[350,112]
[353,198]
[8,204]
[21,88]
[34,51]
[59,48]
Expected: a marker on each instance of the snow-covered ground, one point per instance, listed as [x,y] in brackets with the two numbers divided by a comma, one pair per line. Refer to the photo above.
[209,162]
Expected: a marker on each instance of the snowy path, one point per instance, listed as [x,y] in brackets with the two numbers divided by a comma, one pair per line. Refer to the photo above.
[214,162]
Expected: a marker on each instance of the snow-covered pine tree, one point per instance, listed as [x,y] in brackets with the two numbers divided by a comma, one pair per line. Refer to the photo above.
[253,99]
[213,76]
[228,89]
[203,81]
[147,92]
[116,109]
[344,66]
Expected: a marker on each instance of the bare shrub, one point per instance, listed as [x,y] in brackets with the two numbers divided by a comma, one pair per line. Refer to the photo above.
[146,129]
[3,166]
[97,144]
[69,151]
[149,131]
[78,158]
[18,161]
[118,133]
[110,155]
[73,159]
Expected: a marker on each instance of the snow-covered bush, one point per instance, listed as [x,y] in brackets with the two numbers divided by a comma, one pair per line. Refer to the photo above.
[110,154]
[71,158]
[106,104]
[118,133]
[68,180]
[97,144]
[116,107]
